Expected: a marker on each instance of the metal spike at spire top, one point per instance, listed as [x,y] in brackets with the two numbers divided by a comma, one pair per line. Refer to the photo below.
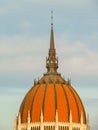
[51,19]
[52,60]
[52,34]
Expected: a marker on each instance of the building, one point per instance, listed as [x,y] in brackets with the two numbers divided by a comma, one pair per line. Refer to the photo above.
[52,103]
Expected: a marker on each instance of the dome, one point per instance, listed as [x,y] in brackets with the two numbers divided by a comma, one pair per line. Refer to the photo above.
[50,94]
[51,103]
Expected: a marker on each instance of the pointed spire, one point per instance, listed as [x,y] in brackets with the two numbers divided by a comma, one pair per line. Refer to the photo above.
[28,117]
[70,117]
[19,118]
[41,116]
[81,118]
[52,60]
[52,35]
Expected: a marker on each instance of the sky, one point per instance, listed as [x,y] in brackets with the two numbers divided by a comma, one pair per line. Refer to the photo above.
[24,44]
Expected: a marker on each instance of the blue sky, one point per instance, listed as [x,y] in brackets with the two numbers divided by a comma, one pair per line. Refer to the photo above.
[25,29]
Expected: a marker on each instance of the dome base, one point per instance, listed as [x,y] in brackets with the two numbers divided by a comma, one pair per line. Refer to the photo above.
[48,125]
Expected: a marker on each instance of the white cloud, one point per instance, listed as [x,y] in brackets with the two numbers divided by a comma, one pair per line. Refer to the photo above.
[21,55]
[77,59]
[24,55]
[81,61]
[16,45]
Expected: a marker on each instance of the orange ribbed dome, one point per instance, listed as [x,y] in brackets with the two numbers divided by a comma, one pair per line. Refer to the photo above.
[49,94]
[52,96]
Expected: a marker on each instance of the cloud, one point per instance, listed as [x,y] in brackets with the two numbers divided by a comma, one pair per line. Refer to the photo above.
[19,54]
[85,65]
[78,59]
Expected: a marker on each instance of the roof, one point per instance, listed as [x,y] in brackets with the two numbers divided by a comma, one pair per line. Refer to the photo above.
[49,94]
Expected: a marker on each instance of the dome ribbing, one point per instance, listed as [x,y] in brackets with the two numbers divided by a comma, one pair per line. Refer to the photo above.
[49,94]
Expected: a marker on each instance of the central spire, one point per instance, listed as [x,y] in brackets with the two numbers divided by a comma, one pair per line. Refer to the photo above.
[52,60]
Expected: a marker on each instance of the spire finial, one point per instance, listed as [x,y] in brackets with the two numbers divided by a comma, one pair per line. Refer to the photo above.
[51,19]
[52,60]
[52,34]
